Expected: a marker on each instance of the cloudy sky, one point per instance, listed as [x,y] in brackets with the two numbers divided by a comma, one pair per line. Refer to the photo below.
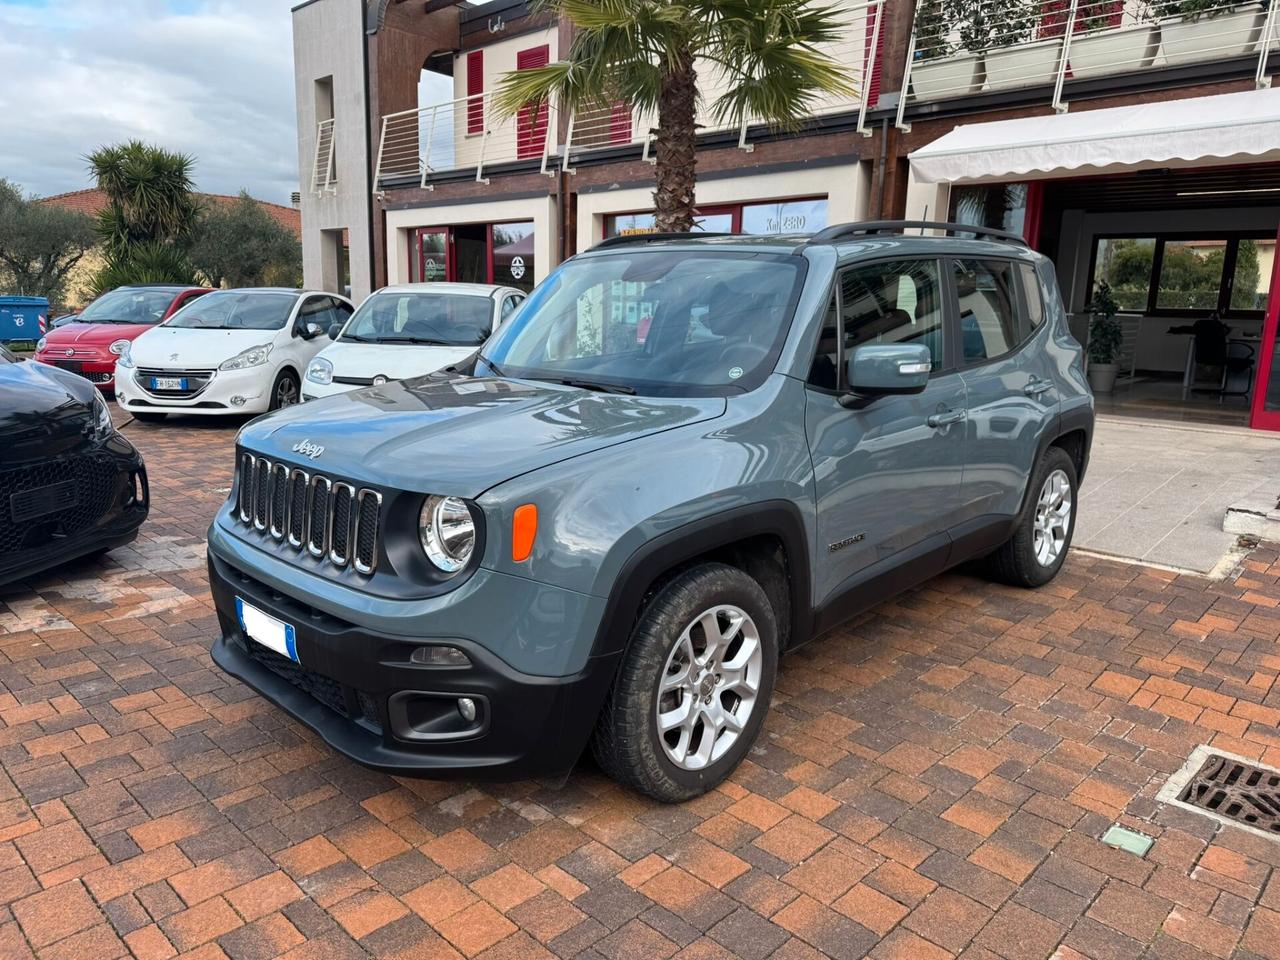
[212,78]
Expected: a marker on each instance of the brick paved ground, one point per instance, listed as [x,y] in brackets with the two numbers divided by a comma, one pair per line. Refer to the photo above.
[933,783]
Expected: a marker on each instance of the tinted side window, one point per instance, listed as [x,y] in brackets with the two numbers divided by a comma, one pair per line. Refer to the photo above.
[894,302]
[826,362]
[315,310]
[1035,296]
[988,308]
[341,310]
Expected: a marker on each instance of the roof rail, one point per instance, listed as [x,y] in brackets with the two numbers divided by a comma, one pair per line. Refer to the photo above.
[847,231]
[626,239]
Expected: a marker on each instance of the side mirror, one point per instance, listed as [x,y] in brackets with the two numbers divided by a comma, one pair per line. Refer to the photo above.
[889,368]
[311,331]
[334,330]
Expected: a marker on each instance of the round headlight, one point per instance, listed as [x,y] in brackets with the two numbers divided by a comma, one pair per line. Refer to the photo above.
[448,532]
[44,342]
[119,347]
[320,371]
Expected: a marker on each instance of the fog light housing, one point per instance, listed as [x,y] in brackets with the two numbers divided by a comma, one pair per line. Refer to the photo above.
[439,657]
[238,401]
[467,709]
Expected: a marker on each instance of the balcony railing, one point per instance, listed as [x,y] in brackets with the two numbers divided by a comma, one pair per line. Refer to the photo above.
[324,178]
[417,145]
[963,47]
[603,127]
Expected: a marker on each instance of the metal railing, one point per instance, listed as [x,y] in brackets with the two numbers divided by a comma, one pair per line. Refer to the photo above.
[963,47]
[324,177]
[417,145]
[602,127]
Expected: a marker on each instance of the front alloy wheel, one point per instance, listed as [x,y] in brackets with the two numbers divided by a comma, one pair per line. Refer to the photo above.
[694,685]
[285,392]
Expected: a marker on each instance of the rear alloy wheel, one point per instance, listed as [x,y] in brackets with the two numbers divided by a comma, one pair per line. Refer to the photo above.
[695,685]
[285,391]
[1036,551]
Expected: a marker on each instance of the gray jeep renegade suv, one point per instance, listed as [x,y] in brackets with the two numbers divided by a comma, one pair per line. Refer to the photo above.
[683,457]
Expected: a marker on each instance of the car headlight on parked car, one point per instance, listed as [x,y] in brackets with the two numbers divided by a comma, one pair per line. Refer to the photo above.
[447,530]
[103,427]
[320,371]
[126,355]
[253,357]
[118,347]
[41,344]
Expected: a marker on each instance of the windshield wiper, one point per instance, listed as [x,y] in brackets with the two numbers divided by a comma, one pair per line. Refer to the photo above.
[356,338]
[418,341]
[497,371]
[591,385]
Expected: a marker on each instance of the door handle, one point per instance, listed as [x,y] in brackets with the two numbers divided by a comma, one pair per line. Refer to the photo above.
[1035,386]
[946,419]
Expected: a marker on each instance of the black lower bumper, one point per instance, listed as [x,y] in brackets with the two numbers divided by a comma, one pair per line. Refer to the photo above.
[114,500]
[362,693]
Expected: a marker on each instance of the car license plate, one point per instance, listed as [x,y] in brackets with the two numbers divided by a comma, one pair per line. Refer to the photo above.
[267,630]
[168,383]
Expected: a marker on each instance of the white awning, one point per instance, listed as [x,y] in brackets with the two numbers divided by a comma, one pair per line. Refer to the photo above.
[1229,127]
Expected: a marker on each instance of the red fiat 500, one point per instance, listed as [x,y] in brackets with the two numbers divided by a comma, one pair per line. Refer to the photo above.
[91,343]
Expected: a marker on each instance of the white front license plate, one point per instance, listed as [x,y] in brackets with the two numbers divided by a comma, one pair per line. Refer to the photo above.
[267,630]
[168,383]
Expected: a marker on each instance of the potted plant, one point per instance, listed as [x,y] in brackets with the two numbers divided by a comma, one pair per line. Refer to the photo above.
[1106,337]
[1014,57]
[1193,30]
[1103,45]
[941,68]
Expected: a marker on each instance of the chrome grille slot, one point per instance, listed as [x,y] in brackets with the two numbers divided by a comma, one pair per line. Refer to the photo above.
[340,516]
[318,527]
[261,503]
[333,520]
[279,500]
[368,509]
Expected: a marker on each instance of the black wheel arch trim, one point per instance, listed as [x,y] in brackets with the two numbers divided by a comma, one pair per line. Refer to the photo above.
[645,567]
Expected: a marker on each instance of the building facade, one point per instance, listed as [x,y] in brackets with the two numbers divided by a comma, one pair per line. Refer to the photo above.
[1134,142]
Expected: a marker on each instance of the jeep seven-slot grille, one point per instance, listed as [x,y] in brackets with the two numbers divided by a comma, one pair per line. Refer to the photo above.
[331,519]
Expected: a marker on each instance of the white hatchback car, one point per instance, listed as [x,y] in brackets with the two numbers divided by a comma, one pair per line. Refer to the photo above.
[229,352]
[409,330]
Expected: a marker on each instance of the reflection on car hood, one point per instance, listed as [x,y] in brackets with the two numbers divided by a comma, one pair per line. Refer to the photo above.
[95,334]
[458,435]
[395,361]
[44,412]
[176,348]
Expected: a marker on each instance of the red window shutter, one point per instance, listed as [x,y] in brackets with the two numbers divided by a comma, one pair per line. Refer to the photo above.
[531,124]
[475,89]
[620,122]
[873,58]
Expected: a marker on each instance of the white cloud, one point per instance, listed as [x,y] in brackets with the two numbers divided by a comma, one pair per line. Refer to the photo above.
[212,78]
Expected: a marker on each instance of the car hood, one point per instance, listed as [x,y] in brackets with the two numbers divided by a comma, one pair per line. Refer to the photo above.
[396,361]
[460,435]
[186,349]
[94,334]
[44,412]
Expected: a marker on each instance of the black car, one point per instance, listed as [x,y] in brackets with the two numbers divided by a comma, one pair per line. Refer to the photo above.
[70,485]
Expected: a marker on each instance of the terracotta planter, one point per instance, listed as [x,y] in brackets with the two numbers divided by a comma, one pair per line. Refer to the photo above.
[1024,65]
[1114,51]
[1102,377]
[1211,38]
[947,77]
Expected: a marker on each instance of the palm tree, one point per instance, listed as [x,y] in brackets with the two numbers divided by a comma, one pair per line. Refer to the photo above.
[644,53]
[150,214]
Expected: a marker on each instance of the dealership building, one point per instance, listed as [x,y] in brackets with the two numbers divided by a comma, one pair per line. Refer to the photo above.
[1132,143]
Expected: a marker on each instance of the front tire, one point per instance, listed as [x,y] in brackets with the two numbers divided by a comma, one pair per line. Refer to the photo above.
[694,686]
[285,391]
[1038,548]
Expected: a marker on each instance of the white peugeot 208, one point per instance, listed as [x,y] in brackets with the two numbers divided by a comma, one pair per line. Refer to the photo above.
[229,352]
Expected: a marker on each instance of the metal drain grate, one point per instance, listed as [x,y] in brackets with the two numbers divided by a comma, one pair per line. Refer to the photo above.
[1236,790]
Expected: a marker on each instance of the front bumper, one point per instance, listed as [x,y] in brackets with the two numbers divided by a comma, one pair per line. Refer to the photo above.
[359,690]
[113,502]
[252,387]
[101,373]
[317,391]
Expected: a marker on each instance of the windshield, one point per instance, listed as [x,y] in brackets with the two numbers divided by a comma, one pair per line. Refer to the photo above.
[236,310]
[128,306]
[437,319]
[651,321]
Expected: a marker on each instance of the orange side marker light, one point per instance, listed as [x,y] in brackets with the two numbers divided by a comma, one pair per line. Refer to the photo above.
[523,530]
